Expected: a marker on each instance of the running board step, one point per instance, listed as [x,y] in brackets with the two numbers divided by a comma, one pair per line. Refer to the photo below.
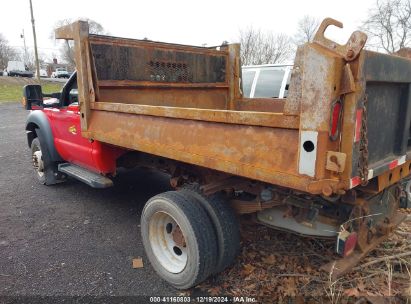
[92,179]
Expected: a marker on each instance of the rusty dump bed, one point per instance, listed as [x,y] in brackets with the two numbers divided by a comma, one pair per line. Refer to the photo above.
[185,103]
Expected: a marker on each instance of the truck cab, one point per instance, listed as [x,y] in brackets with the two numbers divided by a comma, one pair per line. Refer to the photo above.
[55,121]
[266,81]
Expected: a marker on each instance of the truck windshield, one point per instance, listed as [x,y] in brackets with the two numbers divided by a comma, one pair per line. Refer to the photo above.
[269,83]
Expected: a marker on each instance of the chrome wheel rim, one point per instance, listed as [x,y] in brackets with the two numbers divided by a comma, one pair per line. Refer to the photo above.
[38,163]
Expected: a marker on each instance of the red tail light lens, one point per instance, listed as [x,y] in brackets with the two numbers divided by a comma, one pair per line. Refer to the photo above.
[346,243]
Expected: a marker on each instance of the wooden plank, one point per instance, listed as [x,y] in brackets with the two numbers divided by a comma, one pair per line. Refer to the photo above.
[138,263]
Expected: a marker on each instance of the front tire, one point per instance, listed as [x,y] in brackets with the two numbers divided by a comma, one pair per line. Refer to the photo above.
[38,161]
[179,239]
[44,168]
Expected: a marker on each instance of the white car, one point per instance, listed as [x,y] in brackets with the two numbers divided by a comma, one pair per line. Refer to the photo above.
[266,81]
[43,73]
[60,73]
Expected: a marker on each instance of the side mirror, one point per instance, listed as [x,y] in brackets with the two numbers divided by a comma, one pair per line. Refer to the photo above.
[32,95]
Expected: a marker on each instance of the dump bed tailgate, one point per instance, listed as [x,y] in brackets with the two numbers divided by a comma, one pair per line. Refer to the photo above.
[387,115]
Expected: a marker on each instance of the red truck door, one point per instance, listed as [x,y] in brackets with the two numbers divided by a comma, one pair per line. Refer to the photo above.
[69,143]
[71,146]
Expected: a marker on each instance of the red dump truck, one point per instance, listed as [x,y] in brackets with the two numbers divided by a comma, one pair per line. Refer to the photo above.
[329,161]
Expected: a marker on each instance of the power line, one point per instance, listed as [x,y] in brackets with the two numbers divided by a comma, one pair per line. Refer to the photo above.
[41,48]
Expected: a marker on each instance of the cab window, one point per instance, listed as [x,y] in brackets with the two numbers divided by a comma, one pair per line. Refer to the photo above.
[73,94]
[70,92]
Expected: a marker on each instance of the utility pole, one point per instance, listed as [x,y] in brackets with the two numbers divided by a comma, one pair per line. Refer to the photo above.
[35,43]
[25,47]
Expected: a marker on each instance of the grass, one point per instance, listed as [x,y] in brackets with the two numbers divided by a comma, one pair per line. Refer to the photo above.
[13,91]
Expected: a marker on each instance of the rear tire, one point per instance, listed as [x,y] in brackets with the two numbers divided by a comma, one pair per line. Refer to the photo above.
[179,239]
[224,222]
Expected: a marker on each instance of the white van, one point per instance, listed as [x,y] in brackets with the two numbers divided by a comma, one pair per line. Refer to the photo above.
[43,73]
[266,81]
[17,68]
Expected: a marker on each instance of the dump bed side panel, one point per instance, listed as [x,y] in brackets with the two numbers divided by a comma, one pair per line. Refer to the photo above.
[250,151]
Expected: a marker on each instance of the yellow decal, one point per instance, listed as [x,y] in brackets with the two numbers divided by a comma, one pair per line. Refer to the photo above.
[72,130]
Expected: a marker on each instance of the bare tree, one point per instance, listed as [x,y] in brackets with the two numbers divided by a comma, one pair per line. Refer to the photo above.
[7,53]
[30,60]
[306,29]
[259,47]
[389,25]
[66,50]
[250,39]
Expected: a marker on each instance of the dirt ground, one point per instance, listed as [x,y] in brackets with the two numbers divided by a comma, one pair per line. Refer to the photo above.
[72,240]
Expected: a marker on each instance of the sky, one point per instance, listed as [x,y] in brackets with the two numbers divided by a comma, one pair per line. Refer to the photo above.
[180,21]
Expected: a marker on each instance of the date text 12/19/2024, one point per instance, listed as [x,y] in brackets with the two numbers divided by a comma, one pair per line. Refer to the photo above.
[201,299]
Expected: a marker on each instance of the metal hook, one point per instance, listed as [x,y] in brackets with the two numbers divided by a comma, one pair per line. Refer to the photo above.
[350,50]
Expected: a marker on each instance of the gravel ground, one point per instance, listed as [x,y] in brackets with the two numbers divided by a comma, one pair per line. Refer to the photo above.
[69,239]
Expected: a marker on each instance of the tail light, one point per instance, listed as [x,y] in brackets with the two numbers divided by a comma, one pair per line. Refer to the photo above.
[346,242]
[335,119]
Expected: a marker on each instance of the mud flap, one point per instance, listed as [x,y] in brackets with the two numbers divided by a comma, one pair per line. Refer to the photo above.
[53,176]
